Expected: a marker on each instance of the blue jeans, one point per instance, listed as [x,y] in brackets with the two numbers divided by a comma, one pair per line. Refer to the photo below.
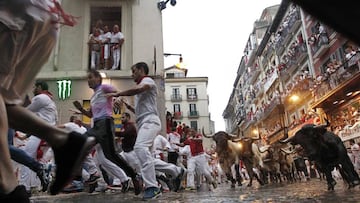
[20,156]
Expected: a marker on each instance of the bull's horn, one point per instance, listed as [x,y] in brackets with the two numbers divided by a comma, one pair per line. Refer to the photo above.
[327,124]
[287,151]
[286,140]
[207,136]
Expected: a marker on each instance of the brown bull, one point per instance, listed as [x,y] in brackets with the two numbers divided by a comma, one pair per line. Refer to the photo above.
[229,153]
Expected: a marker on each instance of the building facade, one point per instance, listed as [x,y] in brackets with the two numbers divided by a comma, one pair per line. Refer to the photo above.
[187,100]
[140,22]
[301,71]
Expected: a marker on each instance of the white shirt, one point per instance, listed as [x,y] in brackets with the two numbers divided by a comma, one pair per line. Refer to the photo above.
[44,107]
[105,37]
[160,143]
[173,137]
[145,102]
[116,37]
[71,126]
[185,151]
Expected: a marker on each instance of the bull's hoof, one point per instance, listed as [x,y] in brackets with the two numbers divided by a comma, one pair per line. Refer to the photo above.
[249,185]
[353,184]
[331,185]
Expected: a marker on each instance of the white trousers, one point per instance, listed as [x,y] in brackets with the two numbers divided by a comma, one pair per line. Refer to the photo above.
[109,166]
[132,160]
[116,59]
[198,164]
[148,129]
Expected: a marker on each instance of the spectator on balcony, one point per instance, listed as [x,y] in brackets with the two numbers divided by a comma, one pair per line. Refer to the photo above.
[95,48]
[322,34]
[105,39]
[99,25]
[349,52]
[117,40]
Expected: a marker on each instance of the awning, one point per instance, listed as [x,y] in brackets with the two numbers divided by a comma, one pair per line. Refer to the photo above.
[334,96]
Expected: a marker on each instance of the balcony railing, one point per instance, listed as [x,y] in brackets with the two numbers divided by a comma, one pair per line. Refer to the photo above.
[192,97]
[339,76]
[101,56]
[319,44]
[193,114]
[178,115]
[176,97]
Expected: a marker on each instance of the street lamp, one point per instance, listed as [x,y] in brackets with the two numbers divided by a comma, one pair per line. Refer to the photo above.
[294,98]
[162,4]
[180,64]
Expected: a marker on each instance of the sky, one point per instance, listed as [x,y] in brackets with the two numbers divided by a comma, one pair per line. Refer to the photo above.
[211,36]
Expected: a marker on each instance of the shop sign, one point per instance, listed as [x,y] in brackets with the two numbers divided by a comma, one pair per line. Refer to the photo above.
[64,89]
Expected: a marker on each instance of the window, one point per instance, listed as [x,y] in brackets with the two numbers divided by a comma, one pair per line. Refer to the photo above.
[191,93]
[176,96]
[177,108]
[177,112]
[102,21]
[192,107]
[176,91]
[194,125]
[170,75]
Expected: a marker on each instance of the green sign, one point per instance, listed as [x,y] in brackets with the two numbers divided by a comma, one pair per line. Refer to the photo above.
[64,89]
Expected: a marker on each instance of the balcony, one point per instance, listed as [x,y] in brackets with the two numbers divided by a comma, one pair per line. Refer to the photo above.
[270,80]
[319,44]
[176,97]
[96,55]
[178,115]
[294,21]
[192,97]
[193,114]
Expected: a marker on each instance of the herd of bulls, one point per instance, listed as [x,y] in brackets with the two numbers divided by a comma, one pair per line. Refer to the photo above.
[320,146]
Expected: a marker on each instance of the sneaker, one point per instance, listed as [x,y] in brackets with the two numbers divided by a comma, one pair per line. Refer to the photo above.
[101,188]
[43,175]
[190,189]
[178,179]
[74,186]
[69,157]
[137,184]
[151,193]
[93,178]
[125,186]
[92,187]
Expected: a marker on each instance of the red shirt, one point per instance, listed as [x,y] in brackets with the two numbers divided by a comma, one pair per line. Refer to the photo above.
[196,146]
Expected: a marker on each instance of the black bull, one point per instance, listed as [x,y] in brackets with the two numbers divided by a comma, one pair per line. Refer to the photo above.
[327,150]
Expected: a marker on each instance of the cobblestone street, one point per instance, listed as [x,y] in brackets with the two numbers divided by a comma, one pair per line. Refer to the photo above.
[312,191]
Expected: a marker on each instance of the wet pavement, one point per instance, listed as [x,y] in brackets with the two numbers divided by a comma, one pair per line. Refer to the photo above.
[304,192]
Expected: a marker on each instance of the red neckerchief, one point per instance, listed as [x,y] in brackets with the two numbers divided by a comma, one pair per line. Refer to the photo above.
[139,81]
[47,93]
